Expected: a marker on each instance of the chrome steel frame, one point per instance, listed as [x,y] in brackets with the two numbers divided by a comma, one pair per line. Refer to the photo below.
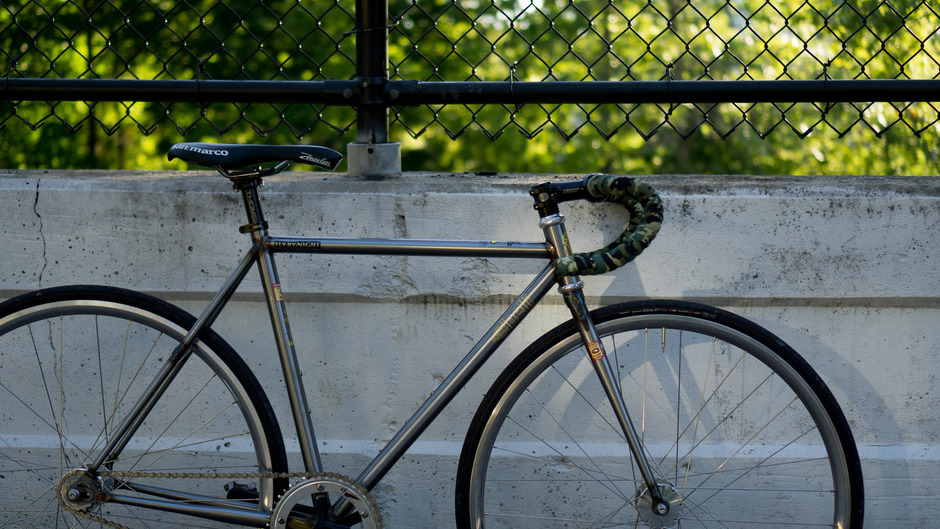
[262,252]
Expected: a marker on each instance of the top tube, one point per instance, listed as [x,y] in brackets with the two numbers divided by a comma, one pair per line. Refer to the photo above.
[415,247]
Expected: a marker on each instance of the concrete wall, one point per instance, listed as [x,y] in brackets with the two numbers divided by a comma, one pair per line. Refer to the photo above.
[844,269]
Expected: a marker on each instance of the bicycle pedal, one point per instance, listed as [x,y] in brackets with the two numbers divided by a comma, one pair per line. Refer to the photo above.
[241,491]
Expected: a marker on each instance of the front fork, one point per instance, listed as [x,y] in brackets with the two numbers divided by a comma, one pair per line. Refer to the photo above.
[571,287]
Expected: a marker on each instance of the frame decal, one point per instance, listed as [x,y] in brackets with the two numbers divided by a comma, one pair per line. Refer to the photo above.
[596,350]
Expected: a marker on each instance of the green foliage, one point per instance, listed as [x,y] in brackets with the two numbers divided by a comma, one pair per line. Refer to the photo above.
[722,40]
[487,40]
[166,39]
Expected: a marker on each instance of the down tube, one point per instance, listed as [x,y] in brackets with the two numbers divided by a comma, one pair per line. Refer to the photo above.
[458,377]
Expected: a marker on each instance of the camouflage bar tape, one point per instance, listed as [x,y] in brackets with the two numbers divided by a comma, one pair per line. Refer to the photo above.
[646,217]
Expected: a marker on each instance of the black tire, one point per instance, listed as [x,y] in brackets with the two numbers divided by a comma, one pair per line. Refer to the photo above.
[72,359]
[737,427]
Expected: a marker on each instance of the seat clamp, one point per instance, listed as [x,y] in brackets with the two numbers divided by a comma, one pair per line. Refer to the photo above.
[249,228]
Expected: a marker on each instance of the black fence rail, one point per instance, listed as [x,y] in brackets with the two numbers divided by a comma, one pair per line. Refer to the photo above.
[410,66]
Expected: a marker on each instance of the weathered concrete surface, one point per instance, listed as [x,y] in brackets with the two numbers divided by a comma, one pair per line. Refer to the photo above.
[844,269]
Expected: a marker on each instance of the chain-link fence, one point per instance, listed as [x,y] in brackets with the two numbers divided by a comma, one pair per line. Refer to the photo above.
[234,40]
[247,66]
[672,40]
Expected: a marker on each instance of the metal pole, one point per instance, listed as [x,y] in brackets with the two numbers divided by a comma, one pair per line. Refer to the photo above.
[372,155]
[345,92]
[372,70]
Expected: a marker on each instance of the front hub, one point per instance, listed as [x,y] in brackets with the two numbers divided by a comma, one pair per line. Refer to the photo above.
[656,515]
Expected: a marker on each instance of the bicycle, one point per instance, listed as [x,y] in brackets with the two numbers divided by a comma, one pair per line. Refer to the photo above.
[122,410]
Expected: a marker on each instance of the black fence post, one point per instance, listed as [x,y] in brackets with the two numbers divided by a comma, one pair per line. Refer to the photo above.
[372,155]
[372,70]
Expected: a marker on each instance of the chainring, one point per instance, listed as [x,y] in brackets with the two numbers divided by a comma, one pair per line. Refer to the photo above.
[322,492]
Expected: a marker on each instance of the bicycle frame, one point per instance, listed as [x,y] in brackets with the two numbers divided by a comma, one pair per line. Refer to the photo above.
[484,348]
[262,252]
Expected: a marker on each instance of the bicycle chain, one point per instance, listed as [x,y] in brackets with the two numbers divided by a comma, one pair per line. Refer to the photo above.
[182,475]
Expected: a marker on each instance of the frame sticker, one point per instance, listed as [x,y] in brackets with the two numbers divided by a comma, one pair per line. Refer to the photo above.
[595,350]
[278,295]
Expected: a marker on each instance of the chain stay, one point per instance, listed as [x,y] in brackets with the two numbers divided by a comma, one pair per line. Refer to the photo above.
[189,475]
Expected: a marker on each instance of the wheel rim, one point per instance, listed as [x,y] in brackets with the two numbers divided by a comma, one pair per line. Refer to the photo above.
[585,476]
[68,370]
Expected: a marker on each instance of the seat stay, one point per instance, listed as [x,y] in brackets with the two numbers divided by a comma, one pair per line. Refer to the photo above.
[172,366]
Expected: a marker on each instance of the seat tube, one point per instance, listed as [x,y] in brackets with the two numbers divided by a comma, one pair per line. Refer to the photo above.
[571,287]
[257,228]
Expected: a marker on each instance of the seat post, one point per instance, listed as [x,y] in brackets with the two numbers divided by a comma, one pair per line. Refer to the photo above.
[251,197]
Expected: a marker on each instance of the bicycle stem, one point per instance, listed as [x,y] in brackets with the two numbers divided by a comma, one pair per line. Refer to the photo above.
[571,287]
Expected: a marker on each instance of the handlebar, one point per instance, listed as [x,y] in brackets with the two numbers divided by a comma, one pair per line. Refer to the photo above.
[646,217]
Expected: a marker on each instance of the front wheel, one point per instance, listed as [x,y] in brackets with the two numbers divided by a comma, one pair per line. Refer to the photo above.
[73,360]
[739,430]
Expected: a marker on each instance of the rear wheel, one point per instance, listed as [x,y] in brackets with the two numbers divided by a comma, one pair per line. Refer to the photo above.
[739,430]
[73,360]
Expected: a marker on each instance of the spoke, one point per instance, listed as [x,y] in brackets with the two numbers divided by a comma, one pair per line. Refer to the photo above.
[649,456]
[550,519]
[80,455]
[180,443]
[758,465]
[651,460]
[110,418]
[692,508]
[173,421]
[137,517]
[646,363]
[762,465]
[26,507]
[553,480]
[42,374]
[26,467]
[187,522]
[76,522]
[104,411]
[32,387]
[61,376]
[120,371]
[678,400]
[30,408]
[618,492]
[56,427]
[730,414]
[613,341]
[605,521]
[698,416]
[746,523]
[568,461]
[616,430]
[587,471]
[715,392]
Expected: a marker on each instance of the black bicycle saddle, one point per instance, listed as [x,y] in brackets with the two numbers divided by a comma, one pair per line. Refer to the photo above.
[233,156]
